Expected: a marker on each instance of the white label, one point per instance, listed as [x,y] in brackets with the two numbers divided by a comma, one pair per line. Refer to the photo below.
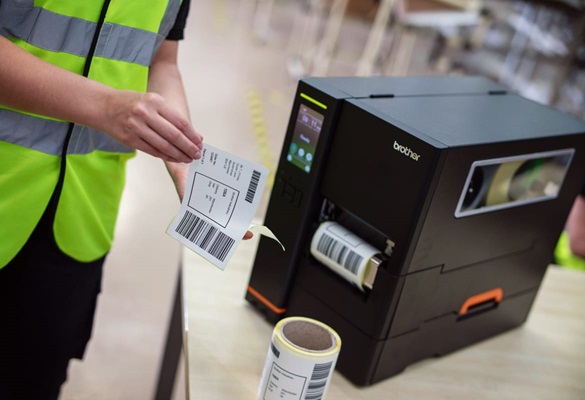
[283,384]
[221,198]
[291,377]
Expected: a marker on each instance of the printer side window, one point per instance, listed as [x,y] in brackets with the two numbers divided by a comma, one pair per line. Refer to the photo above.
[306,132]
[503,183]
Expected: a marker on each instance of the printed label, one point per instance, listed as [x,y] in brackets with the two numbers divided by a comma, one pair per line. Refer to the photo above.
[221,198]
[290,377]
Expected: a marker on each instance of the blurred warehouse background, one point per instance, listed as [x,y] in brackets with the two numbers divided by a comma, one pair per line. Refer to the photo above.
[241,60]
[536,48]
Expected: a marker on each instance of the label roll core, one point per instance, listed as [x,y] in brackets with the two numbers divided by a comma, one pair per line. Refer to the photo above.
[301,360]
[345,253]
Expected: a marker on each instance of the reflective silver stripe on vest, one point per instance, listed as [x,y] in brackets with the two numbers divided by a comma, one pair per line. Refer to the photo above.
[168,20]
[35,133]
[123,43]
[135,45]
[84,140]
[49,136]
[14,14]
[60,33]
[48,30]
[167,23]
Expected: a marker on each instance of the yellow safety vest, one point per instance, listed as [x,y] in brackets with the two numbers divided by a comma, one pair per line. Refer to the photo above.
[564,256]
[112,42]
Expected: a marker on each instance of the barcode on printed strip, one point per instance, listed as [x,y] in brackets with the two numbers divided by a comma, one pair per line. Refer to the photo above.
[339,253]
[318,381]
[253,186]
[205,236]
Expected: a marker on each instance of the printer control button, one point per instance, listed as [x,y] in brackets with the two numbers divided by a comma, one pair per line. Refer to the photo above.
[289,189]
[279,186]
[289,192]
[292,194]
[297,198]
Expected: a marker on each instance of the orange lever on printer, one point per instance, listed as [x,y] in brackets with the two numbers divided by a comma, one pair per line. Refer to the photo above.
[495,295]
[264,300]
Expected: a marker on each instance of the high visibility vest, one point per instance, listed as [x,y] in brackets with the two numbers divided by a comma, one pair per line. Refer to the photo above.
[112,42]
[564,256]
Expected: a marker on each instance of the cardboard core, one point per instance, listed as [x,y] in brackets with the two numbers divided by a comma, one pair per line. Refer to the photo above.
[308,336]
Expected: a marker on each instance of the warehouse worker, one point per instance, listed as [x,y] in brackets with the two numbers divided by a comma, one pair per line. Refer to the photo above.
[82,84]
[570,250]
[576,226]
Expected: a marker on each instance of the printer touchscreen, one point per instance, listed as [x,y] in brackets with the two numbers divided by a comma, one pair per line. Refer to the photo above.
[305,136]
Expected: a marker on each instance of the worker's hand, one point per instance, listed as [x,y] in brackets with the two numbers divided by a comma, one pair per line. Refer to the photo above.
[146,122]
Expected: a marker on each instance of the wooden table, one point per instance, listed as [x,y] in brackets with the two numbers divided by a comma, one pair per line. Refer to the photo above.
[227,340]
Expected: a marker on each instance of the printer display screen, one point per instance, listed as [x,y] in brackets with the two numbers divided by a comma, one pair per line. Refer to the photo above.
[305,137]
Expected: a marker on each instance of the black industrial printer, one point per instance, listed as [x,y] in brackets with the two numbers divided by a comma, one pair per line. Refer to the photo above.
[419,214]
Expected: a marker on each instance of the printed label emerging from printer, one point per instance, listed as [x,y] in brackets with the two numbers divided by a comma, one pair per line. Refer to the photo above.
[305,137]
[508,182]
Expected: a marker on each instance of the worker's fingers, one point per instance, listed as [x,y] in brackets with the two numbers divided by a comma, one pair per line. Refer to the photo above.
[248,235]
[147,148]
[136,134]
[175,137]
[175,130]
[181,123]
[159,142]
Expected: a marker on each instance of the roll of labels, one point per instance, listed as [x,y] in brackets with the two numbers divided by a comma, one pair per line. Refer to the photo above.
[301,359]
[346,254]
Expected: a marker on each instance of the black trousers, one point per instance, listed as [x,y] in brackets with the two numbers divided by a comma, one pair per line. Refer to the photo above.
[47,305]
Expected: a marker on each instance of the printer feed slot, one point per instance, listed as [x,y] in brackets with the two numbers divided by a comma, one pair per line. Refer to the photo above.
[481,302]
[513,181]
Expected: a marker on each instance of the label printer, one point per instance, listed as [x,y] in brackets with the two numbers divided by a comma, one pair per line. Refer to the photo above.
[419,214]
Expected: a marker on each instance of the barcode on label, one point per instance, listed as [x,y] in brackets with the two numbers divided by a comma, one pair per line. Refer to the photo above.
[274,350]
[338,252]
[318,381]
[253,186]
[205,236]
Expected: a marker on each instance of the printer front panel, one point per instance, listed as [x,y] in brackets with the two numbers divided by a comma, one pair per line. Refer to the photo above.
[380,173]
[377,191]
[294,201]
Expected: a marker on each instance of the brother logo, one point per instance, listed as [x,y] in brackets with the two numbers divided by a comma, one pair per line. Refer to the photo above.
[406,151]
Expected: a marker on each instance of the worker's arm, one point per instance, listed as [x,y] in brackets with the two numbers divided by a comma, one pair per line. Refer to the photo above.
[165,79]
[576,227]
[144,121]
